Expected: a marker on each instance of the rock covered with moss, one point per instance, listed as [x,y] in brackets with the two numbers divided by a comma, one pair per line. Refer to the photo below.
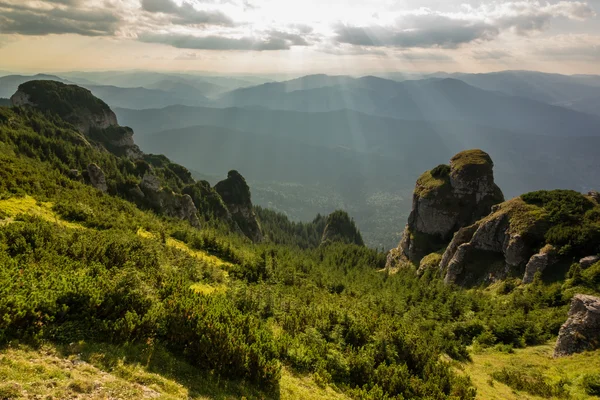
[208,201]
[525,236]
[581,331]
[446,199]
[167,202]
[72,103]
[341,228]
[91,116]
[236,195]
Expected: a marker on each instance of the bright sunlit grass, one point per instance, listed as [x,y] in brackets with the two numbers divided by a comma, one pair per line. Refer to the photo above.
[535,359]
[10,208]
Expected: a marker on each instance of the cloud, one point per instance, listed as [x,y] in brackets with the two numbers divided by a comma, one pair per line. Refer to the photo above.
[293,38]
[430,31]
[426,28]
[29,20]
[346,50]
[579,47]
[215,42]
[529,16]
[490,54]
[424,56]
[186,13]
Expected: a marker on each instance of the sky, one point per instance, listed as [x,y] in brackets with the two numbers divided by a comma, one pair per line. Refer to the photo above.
[300,36]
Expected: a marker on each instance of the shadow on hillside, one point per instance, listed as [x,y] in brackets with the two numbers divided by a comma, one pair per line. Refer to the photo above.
[136,363]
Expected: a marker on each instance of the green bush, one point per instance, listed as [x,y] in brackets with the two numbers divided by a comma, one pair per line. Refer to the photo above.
[531,382]
[591,384]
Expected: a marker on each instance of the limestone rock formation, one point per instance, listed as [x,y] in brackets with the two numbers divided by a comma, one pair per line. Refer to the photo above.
[78,106]
[72,103]
[341,228]
[118,140]
[446,199]
[532,233]
[539,262]
[581,331]
[97,178]
[487,250]
[208,202]
[236,195]
[167,202]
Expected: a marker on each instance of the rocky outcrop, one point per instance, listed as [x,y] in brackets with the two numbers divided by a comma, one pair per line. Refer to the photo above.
[209,203]
[98,128]
[20,99]
[97,178]
[534,233]
[167,202]
[539,262]
[236,195]
[588,261]
[501,236]
[72,103]
[341,228]
[118,140]
[581,331]
[595,195]
[91,116]
[446,199]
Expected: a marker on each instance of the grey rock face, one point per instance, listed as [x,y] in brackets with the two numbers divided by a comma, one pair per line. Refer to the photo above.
[492,235]
[150,183]
[594,194]
[588,261]
[538,263]
[447,199]
[169,203]
[20,99]
[236,195]
[581,331]
[464,235]
[97,178]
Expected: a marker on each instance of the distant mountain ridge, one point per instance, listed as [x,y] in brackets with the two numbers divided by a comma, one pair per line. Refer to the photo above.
[431,99]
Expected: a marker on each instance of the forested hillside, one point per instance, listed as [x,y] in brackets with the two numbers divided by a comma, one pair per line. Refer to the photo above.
[154,305]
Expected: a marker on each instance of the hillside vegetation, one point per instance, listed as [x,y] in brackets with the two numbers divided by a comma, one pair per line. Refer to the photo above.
[96,287]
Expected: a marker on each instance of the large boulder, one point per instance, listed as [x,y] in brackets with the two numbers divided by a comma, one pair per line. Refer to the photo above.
[581,331]
[539,262]
[446,199]
[236,195]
